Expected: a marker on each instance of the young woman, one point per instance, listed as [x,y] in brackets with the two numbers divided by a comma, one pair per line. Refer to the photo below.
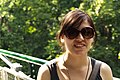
[77,34]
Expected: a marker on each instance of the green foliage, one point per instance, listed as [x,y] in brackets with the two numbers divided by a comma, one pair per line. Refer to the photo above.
[24,26]
[30,27]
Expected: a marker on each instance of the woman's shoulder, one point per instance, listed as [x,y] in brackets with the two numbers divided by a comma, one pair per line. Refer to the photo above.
[105,71]
[44,73]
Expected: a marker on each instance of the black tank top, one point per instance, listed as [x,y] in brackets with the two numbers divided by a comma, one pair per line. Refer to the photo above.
[53,70]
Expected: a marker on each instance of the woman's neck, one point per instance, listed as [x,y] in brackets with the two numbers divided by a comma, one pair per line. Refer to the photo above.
[75,62]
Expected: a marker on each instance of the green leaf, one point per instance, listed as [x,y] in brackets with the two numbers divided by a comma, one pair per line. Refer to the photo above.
[119,55]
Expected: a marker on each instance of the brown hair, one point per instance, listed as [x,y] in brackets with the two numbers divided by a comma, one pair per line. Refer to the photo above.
[74,19]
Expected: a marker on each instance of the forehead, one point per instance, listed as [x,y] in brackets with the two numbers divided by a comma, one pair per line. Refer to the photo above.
[85,23]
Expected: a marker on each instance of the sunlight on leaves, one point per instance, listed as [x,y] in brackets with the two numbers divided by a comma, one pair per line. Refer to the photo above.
[119,55]
[11,4]
[31,29]
[99,4]
[72,8]
[54,2]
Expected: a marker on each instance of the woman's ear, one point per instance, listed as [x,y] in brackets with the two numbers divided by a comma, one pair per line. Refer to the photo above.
[62,39]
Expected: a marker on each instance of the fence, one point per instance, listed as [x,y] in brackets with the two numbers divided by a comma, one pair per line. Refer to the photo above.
[11,74]
[14,70]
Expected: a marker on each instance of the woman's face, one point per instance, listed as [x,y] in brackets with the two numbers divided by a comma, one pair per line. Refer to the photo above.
[79,45]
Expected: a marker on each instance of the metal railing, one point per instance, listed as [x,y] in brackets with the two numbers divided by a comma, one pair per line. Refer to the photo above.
[11,74]
[22,57]
[14,73]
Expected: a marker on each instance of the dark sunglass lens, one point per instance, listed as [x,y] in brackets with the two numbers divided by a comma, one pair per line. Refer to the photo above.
[71,33]
[87,32]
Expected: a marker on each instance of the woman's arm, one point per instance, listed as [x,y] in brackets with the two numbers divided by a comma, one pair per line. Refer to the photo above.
[43,73]
[106,72]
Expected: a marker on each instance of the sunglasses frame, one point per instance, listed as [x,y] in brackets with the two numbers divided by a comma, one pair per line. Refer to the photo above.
[72,32]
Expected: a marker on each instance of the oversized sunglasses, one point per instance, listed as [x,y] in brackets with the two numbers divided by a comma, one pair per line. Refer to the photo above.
[86,32]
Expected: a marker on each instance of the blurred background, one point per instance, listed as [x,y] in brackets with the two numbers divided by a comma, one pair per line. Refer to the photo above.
[29,27]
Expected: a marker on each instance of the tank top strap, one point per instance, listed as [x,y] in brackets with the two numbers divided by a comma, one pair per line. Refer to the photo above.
[93,61]
[53,71]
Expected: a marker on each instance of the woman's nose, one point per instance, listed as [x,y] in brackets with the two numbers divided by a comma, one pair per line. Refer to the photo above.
[80,36]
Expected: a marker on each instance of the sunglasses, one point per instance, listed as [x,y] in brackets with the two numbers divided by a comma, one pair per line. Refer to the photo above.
[86,32]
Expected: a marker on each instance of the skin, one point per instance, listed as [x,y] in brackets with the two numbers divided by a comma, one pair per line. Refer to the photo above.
[75,60]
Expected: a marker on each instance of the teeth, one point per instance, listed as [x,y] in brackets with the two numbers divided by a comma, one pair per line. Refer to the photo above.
[79,46]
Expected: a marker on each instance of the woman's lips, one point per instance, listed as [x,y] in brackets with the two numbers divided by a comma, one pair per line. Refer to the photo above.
[77,45]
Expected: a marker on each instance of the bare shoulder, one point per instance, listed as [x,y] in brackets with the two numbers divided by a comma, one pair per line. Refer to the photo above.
[43,73]
[106,72]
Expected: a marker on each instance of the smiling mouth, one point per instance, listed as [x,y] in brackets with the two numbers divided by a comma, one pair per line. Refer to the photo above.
[79,45]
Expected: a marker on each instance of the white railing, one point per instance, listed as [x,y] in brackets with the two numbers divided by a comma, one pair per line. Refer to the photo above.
[11,74]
